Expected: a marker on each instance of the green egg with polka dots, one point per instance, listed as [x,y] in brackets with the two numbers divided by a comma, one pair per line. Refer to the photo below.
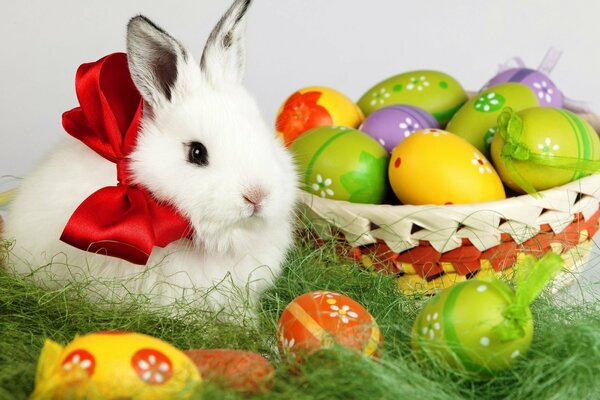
[342,163]
[457,326]
[434,91]
[553,136]
[477,119]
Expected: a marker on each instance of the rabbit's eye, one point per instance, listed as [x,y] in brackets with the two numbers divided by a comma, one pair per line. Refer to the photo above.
[197,154]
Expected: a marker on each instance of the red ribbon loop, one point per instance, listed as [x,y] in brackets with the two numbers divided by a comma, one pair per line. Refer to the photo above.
[122,221]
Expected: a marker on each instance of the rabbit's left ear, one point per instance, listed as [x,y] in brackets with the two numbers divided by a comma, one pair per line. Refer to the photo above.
[155,60]
[223,57]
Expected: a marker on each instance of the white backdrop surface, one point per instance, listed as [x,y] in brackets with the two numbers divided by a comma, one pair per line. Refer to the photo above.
[345,44]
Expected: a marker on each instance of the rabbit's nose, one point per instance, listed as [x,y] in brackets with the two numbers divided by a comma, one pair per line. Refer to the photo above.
[255,196]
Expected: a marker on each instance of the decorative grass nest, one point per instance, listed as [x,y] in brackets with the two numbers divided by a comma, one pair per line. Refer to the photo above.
[430,247]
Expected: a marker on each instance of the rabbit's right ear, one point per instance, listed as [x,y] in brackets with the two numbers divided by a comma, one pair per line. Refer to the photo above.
[223,57]
[155,60]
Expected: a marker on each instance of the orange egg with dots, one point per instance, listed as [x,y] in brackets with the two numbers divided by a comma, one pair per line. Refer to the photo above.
[322,319]
[434,166]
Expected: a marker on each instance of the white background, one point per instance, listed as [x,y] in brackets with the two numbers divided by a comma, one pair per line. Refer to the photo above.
[345,44]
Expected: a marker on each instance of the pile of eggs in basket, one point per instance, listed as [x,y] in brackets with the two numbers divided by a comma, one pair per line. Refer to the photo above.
[419,134]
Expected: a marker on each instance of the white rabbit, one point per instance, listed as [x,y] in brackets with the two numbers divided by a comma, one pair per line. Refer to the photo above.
[239,198]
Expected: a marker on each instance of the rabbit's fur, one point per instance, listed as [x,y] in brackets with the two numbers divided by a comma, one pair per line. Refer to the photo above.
[240,204]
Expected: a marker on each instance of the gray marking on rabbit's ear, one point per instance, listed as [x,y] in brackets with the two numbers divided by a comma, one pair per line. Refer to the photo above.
[223,55]
[154,57]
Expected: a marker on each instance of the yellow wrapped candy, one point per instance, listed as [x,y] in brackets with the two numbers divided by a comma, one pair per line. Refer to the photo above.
[114,365]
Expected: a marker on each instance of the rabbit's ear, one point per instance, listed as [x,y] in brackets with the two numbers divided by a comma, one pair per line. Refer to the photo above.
[155,59]
[223,56]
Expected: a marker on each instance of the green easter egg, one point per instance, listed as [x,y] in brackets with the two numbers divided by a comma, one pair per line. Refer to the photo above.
[436,92]
[476,120]
[342,163]
[546,139]
[457,326]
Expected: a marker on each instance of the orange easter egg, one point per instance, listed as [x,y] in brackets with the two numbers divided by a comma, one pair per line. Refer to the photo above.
[317,320]
[313,107]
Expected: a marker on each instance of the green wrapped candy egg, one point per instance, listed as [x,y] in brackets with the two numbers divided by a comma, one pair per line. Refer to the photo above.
[436,92]
[540,148]
[459,326]
[476,120]
[342,163]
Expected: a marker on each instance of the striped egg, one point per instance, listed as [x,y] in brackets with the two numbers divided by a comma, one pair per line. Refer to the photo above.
[312,107]
[341,163]
[457,326]
[390,125]
[545,90]
[476,121]
[436,92]
[321,319]
[550,137]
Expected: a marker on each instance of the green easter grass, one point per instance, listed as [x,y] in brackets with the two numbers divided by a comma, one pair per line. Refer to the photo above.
[563,363]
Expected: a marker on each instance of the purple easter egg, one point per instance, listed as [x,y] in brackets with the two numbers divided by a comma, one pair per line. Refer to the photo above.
[545,90]
[390,125]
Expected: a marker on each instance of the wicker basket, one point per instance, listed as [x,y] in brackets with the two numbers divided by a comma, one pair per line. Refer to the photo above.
[431,247]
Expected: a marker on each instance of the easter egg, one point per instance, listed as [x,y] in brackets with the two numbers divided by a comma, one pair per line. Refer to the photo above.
[460,326]
[436,92]
[543,147]
[242,371]
[389,125]
[321,319]
[544,89]
[114,365]
[315,106]
[476,121]
[341,163]
[433,166]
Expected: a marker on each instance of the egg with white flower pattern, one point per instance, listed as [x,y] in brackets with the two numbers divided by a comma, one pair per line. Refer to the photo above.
[436,92]
[315,106]
[321,319]
[460,326]
[476,120]
[114,365]
[341,163]
[545,90]
[544,147]
[390,125]
[434,166]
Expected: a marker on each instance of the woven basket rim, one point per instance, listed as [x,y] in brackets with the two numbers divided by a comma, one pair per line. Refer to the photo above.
[589,185]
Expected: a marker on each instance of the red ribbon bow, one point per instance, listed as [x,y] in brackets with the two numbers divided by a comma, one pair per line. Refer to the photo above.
[122,221]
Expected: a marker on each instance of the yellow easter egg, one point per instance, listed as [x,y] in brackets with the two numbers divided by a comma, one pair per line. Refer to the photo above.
[313,107]
[114,365]
[433,166]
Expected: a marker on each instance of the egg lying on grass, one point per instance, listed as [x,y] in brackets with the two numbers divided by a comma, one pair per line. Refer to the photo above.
[114,365]
[482,326]
[321,319]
